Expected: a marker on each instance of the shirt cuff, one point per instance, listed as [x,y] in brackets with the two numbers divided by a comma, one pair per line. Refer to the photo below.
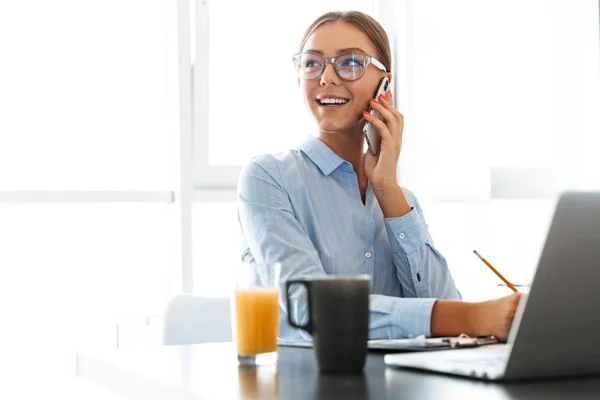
[406,233]
[418,313]
[399,317]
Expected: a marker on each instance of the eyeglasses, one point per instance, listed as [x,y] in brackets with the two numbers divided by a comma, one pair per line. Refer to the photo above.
[348,66]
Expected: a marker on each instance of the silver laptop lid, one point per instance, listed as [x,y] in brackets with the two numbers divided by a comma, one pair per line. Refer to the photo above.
[557,325]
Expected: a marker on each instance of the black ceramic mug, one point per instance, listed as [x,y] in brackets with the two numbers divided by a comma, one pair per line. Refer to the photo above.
[338,320]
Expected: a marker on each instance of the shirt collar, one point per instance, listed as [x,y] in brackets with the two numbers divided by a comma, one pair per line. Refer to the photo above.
[321,154]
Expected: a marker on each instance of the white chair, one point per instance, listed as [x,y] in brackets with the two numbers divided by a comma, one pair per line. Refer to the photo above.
[192,319]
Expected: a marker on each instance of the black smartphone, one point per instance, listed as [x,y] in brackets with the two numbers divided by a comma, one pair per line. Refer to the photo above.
[371,133]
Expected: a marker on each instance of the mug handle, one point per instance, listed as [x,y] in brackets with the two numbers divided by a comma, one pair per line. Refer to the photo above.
[308,327]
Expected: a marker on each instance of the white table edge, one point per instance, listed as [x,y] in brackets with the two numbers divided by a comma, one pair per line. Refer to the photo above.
[125,383]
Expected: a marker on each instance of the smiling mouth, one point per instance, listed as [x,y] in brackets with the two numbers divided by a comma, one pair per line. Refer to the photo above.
[331,102]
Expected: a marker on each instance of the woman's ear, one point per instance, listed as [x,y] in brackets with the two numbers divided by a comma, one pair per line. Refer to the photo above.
[298,81]
[389,75]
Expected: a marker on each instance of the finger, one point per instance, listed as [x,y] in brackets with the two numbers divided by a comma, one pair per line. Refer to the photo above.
[393,110]
[385,102]
[381,106]
[399,118]
[397,114]
[395,122]
[383,129]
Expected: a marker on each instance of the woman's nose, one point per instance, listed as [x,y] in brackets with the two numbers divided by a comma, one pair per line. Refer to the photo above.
[329,76]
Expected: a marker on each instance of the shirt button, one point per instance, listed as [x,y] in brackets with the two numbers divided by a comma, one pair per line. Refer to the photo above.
[368,254]
[402,235]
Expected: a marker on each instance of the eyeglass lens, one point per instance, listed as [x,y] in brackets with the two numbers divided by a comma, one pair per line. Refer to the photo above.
[349,66]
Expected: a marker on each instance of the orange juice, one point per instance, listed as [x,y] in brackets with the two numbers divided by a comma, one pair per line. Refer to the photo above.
[257,321]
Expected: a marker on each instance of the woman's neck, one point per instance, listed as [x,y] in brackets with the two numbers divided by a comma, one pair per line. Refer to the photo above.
[350,147]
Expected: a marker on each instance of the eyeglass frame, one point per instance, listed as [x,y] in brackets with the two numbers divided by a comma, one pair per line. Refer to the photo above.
[331,60]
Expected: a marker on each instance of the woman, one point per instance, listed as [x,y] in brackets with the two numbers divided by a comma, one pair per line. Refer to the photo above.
[331,208]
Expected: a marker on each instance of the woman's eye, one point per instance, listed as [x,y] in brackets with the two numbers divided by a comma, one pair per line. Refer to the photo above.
[351,62]
[311,64]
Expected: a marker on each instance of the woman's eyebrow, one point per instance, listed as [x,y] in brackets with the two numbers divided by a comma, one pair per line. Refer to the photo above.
[351,49]
[339,51]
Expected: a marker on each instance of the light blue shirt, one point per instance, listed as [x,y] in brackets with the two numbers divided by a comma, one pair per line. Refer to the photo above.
[303,209]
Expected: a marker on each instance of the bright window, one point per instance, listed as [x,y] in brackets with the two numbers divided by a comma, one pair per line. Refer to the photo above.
[250,104]
[88,93]
[85,95]
[500,98]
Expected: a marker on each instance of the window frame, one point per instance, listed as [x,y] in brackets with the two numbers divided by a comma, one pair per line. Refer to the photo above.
[206,176]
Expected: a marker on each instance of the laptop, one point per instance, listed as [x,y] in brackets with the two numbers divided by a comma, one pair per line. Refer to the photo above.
[556,327]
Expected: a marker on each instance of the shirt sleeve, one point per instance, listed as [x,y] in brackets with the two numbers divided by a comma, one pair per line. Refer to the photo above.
[421,269]
[272,233]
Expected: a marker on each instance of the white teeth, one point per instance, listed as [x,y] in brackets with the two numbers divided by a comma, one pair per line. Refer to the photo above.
[332,101]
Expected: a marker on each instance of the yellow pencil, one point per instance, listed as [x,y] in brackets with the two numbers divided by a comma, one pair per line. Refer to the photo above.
[510,285]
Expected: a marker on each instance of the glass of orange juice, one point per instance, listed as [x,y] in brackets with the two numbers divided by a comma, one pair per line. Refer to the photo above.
[257,312]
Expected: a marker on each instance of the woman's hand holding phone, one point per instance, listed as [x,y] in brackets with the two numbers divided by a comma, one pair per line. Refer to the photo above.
[381,167]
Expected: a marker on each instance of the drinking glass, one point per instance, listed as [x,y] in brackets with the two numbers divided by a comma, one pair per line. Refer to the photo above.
[257,312]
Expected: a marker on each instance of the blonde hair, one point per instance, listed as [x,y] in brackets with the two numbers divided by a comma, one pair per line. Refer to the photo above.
[367,24]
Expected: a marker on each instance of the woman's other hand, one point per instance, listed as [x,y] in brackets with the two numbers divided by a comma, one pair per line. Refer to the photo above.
[495,317]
